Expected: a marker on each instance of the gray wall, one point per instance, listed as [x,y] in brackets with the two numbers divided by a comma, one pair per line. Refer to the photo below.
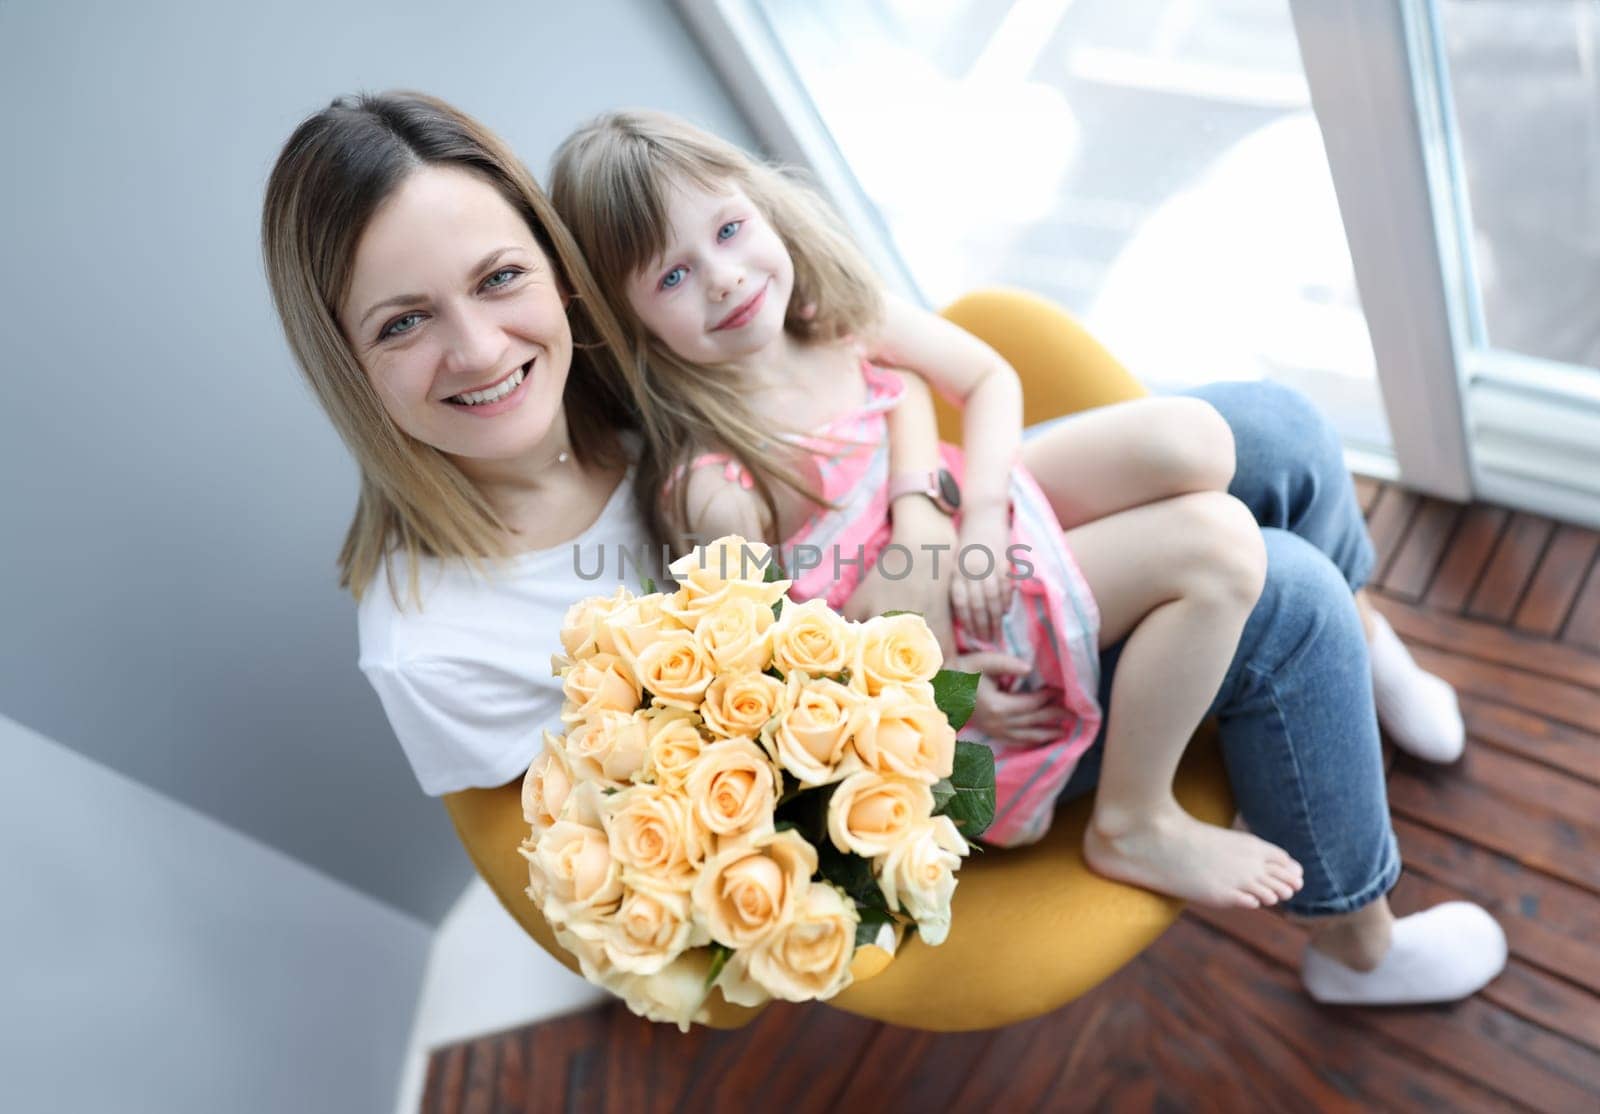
[154,960]
[173,498]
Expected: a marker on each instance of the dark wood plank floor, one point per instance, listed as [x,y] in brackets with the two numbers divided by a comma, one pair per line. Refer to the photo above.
[1507,607]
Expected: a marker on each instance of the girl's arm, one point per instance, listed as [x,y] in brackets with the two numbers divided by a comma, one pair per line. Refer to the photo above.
[974,376]
[718,506]
[925,531]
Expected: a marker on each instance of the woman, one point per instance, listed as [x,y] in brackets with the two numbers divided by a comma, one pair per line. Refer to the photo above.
[454,336]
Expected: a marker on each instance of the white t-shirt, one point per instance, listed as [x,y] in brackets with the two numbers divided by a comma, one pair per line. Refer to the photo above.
[466,681]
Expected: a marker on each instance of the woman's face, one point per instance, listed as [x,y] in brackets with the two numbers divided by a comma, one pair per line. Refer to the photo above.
[458,319]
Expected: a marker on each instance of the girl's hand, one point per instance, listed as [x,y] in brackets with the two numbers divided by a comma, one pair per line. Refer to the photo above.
[922,529]
[980,602]
[1013,718]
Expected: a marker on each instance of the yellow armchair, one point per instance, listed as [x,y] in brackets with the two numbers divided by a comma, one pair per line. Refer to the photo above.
[1032,928]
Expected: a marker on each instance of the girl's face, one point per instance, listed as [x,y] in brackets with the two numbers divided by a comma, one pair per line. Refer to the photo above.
[720,290]
[457,318]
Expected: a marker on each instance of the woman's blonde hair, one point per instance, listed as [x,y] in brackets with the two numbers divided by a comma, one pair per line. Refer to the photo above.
[611,182]
[333,174]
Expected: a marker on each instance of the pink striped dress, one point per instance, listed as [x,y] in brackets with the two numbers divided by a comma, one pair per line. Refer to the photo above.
[1052,624]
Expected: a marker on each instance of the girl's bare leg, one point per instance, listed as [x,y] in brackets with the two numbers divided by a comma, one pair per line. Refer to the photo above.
[1177,579]
[1118,457]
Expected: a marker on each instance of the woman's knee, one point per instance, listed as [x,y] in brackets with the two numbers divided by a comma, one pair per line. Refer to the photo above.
[1269,419]
[1284,445]
[1305,598]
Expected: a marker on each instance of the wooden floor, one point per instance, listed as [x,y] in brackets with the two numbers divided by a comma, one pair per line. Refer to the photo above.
[1504,605]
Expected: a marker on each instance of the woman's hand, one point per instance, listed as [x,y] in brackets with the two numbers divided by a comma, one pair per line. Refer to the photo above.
[980,602]
[930,537]
[1012,718]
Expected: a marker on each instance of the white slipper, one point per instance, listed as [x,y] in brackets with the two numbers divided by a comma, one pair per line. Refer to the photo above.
[1442,954]
[1417,709]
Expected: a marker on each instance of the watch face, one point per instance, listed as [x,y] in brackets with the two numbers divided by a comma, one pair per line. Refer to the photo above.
[949,490]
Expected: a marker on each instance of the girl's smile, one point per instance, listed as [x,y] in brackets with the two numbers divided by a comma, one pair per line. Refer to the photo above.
[720,290]
[746,311]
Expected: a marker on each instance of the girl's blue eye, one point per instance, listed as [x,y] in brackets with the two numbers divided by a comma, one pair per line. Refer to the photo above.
[509,273]
[398,326]
[673,277]
[726,231]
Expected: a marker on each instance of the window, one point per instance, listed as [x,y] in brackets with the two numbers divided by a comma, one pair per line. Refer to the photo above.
[1209,183]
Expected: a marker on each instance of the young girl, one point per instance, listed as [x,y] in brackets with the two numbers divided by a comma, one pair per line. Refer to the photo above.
[762,335]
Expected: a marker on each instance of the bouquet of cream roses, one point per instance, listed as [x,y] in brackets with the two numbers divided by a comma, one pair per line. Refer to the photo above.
[748,789]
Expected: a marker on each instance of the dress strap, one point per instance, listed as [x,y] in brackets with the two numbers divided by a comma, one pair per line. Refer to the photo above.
[884,387]
[732,470]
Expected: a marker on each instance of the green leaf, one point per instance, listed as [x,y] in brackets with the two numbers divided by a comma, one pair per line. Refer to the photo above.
[789,790]
[891,614]
[956,693]
[806,809]
[942,792]
[872,919]
[777,608]
[852,874]
[784,826]
[971,806]
[648,584]
[720,954]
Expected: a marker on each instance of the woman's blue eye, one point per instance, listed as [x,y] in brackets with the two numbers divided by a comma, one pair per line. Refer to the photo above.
[509,273]
[398,326]
[726,231]
[673,277]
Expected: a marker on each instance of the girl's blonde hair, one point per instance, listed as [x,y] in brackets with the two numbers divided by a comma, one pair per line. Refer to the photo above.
[333,174]
[611,182]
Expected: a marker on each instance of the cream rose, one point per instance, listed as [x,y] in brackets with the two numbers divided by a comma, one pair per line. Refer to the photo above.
[636,624]
[609,747]
[538,884]
[812,638]
[655,837]
[727,569]
[580,875]
[583,630]
[741,704]
[676,993]
[895,650]
[918,876]
[581,938]
[733,787]
[650,929]
[675,742]
[545,786]
[870,814]
[806,961]
[749,891]
[736,636]
[811,736]
[675,670]
[601,682]
[901,731]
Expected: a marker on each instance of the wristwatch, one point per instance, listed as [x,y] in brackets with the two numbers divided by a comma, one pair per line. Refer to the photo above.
[939,486]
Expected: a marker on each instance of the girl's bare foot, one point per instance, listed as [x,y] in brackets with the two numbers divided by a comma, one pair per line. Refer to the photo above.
[1169,851]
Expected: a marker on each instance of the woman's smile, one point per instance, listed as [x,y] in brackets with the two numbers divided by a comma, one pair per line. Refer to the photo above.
[498,397]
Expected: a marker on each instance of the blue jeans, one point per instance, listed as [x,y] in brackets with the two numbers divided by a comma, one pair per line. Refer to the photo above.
[1298,731]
